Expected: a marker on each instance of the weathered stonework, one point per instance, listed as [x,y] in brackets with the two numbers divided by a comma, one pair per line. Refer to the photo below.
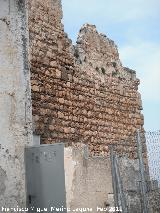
[80,93]
[99,57]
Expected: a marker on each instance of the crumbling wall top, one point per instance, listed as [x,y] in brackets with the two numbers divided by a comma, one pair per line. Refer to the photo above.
[98,55]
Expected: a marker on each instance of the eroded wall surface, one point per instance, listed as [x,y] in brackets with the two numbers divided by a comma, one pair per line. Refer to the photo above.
[80,93]
[88,183]
[130,176]
[88,180]
[15,102]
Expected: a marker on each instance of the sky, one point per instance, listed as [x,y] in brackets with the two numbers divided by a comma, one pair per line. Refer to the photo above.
[134,25]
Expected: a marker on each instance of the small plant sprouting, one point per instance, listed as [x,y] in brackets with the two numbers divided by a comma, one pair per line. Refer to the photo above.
[76,53]
[103,70]
[114,64]
[97,69]
[114,73]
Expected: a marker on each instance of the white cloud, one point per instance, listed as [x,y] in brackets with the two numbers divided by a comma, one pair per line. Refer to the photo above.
[144,57]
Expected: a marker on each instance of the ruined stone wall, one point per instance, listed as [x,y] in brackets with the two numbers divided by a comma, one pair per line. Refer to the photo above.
[15,102]
[81,93]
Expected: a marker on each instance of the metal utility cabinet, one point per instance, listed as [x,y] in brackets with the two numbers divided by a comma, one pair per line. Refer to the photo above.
[45,179]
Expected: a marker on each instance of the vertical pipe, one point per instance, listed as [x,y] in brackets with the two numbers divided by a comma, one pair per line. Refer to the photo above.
[114,182]
[120,187]
[141,165]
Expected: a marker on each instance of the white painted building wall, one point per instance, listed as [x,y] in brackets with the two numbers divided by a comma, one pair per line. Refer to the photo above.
[15,102]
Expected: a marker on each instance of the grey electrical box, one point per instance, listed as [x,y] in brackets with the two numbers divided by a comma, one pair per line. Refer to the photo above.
[45,178]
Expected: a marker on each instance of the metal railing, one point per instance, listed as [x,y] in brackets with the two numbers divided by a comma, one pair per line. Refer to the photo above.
[153,153]
[146,149]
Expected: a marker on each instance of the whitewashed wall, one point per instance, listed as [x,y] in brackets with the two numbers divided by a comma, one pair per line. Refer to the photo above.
[15,101]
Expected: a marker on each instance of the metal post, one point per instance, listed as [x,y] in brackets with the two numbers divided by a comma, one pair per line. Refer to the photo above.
[114,181]
[120,187]
[141,165]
